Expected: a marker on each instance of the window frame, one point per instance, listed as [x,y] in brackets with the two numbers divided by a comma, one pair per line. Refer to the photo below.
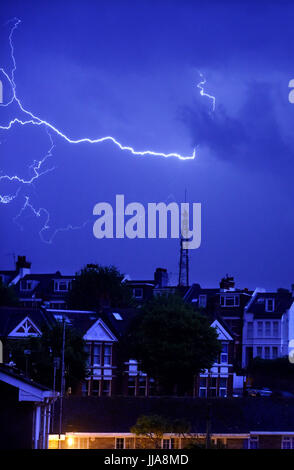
[267,301]
[224,353]
[109,356]
[118,442]
[268,329]
[202,300]
[138,296]
[276,329]
[57,283]
[27,282]
[260,329]
[168,443]
[224,303]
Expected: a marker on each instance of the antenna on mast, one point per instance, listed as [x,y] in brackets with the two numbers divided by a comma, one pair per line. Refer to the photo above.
[184,257]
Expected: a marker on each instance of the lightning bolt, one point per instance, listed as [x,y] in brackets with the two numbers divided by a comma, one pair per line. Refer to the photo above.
[35,167]
[31,119]
[203,93]
[37,121]
[46,226]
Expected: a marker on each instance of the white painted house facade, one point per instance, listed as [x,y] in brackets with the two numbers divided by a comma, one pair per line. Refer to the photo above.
[268,325]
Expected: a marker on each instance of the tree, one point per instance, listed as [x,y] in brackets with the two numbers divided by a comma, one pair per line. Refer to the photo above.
[8,295]
[42,350]
[153,427]
[172,342]
[96,286]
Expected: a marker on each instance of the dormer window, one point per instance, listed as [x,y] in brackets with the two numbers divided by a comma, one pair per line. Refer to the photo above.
[26,285]
[269,305]
[62,285]
[229,300]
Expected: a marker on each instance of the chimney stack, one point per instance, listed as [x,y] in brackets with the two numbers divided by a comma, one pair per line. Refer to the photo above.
[23,266]
[161,277]
[227,283]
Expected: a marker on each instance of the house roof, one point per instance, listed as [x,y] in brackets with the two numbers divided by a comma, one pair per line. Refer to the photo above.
[195,290]
[11,317]
[228,416]
[81,320]
[28,390]
[19,375]
[134,283]
[8,273]
[45,287]
[283,301]
[119,327]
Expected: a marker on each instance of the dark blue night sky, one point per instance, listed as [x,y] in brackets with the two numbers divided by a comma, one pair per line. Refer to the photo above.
[130,70]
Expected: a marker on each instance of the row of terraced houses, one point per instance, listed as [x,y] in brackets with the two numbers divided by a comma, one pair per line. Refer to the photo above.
[249,324]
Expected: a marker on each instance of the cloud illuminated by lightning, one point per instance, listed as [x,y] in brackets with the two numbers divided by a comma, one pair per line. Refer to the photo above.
[30,119]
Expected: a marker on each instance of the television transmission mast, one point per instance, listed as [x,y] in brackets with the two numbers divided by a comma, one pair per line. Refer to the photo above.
[184,258]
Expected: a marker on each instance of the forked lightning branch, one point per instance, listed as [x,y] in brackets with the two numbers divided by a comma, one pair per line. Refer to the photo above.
[29,118]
